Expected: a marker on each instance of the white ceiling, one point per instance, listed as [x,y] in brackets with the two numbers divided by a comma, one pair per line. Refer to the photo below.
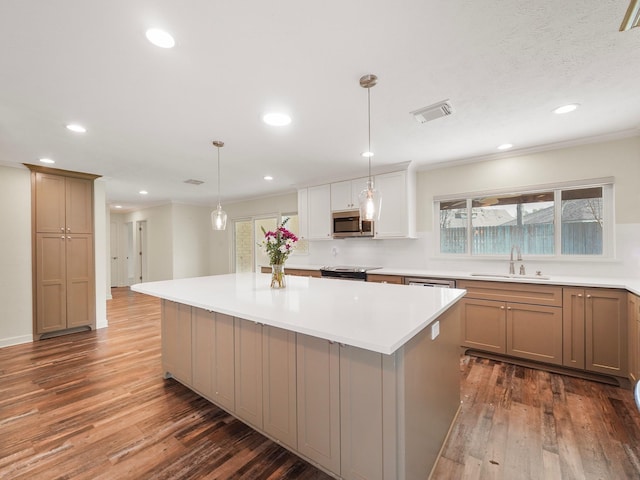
[152,113]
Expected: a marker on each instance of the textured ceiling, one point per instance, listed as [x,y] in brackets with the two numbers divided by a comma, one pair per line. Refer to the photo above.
[151,113]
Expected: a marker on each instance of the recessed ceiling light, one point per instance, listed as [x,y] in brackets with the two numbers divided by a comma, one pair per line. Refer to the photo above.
[276,119]
[143,192]
[505,146]
[160,38]
[268,178]
[74,127]
[47,160]
[566,108]
[367,154]
[117,206]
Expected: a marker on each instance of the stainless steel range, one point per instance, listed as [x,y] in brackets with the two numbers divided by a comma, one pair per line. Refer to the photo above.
[346,272]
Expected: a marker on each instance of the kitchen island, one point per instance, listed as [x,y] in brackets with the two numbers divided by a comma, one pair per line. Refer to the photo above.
[360,379]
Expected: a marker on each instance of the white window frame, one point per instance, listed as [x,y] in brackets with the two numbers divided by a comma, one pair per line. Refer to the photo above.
[608,227]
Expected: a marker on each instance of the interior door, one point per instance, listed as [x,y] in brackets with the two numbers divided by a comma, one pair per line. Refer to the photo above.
[114,255]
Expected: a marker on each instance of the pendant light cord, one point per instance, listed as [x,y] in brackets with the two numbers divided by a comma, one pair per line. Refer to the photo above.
[369,115]
[218,177]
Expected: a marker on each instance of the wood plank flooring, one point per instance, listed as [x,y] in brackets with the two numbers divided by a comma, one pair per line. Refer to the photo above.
[94,405]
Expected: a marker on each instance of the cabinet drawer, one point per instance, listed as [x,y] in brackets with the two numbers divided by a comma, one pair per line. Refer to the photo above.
[549,295]
[385,279]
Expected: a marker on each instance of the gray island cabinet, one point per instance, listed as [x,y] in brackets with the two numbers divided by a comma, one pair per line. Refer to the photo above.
[331,370]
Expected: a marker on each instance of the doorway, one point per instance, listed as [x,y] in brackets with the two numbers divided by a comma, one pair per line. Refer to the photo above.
[114,245]
[141,253]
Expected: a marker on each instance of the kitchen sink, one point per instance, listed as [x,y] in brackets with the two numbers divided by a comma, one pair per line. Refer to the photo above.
[507,275]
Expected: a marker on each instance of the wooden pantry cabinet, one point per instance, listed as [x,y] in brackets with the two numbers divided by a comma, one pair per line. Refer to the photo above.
[63,250]
[520,320]
[633,319]
[595,330]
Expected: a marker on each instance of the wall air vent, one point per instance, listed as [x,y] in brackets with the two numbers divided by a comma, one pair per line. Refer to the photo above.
[437,110]
[191,181]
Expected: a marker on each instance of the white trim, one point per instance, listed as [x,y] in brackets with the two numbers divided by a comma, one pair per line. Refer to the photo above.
[7,342]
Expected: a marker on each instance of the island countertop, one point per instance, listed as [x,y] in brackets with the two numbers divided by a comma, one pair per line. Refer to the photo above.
[372,316]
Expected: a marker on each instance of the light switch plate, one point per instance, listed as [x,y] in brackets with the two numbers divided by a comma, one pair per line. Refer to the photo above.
[435,330]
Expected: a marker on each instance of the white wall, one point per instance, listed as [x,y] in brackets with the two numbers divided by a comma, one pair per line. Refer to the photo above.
[159,246]
[221,243]
[191,227]
[16,320]
[101,238]
[619,159]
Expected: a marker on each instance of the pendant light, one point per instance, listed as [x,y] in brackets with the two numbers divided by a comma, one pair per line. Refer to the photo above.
[369,198]
[218,217]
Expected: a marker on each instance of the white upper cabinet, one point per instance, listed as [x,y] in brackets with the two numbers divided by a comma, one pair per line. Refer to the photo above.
[344,195]
[303,213]
[397,190]
[319,212]
[397,207]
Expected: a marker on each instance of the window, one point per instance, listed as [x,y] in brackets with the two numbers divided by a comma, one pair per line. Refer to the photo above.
[491,224]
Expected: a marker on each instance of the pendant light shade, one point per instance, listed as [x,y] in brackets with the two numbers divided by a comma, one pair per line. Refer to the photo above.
[369,198]
[218,216]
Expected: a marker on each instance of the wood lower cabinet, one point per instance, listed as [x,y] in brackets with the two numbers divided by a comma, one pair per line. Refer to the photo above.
[355,413]
[295,272]
[484,325]
[633,323]
[395,279]
[213,357]
[318,386]
[248,371]
[501,318]
[177,341]
[595,330]
[279,385]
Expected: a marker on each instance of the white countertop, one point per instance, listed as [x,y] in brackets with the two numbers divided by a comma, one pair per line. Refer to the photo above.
[630,284]
[373,316]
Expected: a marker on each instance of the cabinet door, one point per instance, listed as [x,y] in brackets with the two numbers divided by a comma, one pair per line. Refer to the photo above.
[80,280]
[393,221]
[213,357]
[632,324]
[224,362]
[279,375]
[79,205]
[176,341]
[573,313]
[203,334]
[534,332]
[484,325]
[248,371]
[319,212]
[385,279]
[606,331]
[318,385]
[341,196]
[361,408]
[50,203]
[51,283]
[303,213]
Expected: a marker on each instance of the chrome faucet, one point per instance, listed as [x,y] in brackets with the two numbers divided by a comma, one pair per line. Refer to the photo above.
[512,268]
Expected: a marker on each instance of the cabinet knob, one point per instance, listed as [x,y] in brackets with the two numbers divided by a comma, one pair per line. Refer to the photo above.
[69,229]
[588,296]
[502,307]
[579,295]
[62,229]
[62,237]
[508,308]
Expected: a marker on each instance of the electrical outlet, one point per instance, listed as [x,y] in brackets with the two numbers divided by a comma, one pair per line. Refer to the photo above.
[435,330]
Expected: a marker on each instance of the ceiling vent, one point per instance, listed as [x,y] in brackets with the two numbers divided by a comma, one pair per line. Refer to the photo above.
[191,181]
[437,110]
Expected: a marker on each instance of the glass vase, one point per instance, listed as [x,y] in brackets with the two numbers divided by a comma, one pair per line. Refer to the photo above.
[277,276]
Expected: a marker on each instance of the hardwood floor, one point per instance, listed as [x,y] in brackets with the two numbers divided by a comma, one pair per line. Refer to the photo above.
[94,405]
[519,423]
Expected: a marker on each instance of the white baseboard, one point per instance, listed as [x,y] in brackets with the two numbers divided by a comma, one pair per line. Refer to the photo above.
[7,342]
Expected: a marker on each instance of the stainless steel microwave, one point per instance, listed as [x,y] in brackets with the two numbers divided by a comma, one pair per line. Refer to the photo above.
[348,225]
